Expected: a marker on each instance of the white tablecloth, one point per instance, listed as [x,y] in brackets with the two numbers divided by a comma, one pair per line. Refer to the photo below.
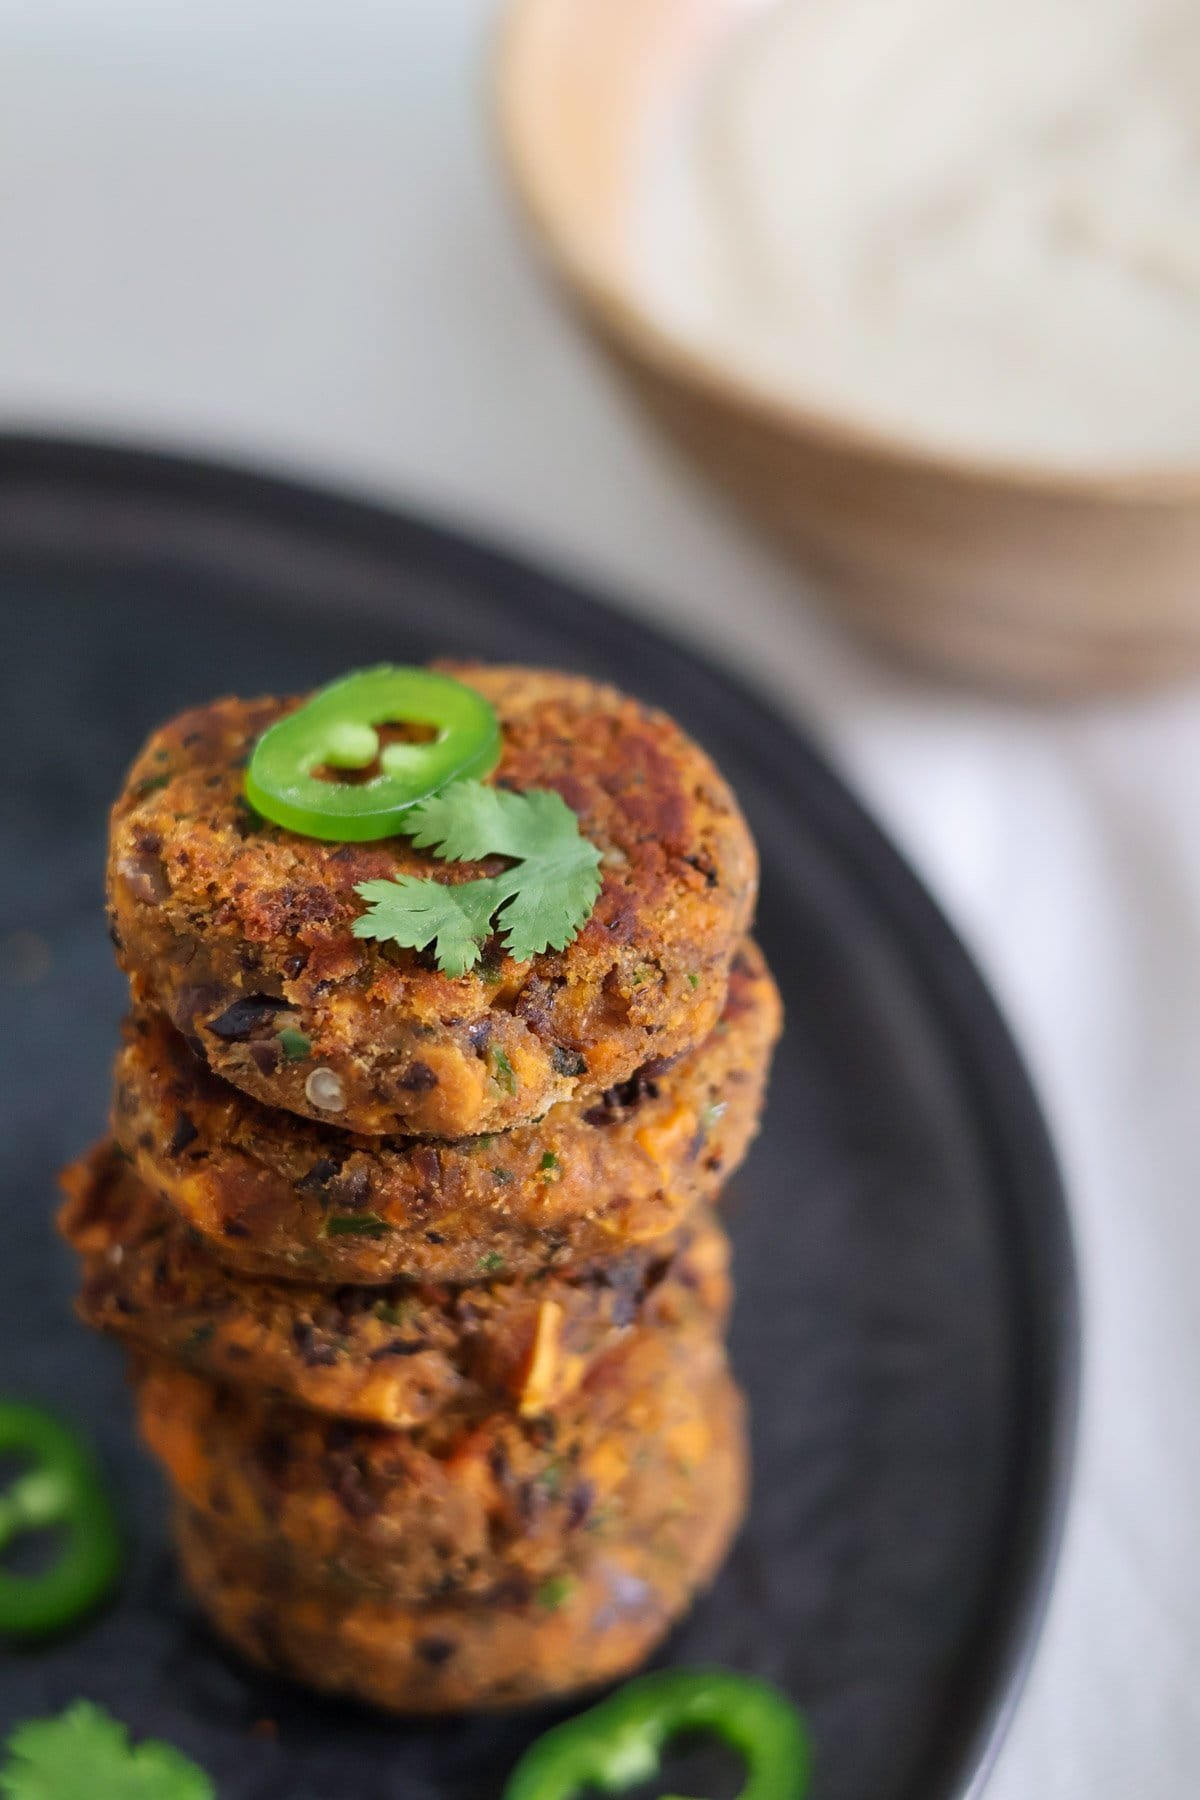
[274,227]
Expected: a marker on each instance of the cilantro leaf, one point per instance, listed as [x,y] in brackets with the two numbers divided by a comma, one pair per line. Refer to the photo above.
[557,893]
[469,820]
[414,913]
[84,1754]
[539,904]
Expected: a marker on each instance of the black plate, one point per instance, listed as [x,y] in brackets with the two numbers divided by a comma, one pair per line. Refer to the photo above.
[907,1319]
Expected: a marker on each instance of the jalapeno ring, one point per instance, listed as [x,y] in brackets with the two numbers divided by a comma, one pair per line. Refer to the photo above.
[619,1744]
[59,1490]
[339,729]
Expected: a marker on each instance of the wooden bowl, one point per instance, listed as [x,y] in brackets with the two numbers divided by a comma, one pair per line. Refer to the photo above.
[1019,575]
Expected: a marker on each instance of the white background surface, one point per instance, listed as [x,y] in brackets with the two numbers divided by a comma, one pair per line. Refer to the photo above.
[274,227]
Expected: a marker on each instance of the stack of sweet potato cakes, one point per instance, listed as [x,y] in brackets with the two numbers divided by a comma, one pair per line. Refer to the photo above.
[419,1270]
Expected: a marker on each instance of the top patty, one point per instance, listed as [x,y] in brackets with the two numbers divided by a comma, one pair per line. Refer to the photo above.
[238,929]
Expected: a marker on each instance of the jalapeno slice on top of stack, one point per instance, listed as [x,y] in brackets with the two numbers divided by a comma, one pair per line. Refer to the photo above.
[339,729]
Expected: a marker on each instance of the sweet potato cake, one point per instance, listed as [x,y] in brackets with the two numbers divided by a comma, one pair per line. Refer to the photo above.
[462,1507]
[395,1356]
[240,931]
[578,1628]
[282,1196]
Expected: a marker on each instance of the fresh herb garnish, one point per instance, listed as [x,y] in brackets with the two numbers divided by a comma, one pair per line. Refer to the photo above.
[549,1161]
[491,1263]
[539,904]
[84,1754]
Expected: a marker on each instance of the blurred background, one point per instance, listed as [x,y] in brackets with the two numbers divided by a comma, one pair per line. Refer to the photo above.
[959,405]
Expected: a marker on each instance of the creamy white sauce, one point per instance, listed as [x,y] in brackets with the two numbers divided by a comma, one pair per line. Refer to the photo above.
[972,222]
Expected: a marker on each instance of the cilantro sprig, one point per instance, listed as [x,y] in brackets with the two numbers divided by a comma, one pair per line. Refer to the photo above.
[540,903]
[84,1754]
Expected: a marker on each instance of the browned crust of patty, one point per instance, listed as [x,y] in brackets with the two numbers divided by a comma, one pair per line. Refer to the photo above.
[582,1627]
[211,906]
[395,1357]
[500,1503]
[281,1196]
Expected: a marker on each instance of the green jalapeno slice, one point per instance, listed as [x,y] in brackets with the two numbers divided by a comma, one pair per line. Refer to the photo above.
[339,729]
[58,1489]
[620,1743]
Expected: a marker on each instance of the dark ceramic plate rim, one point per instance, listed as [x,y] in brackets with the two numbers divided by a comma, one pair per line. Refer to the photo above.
[109,477]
